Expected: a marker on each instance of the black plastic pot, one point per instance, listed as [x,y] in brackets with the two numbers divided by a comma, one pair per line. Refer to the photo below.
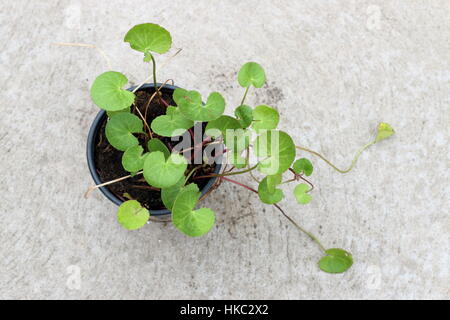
[96,125]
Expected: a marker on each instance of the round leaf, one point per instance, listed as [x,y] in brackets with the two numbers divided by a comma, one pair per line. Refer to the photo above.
[120,128]
[107,92]
[157,145]
[277,151]
[269,196]
[131,215]
[133,159]
[336,261]
[251,73]
[384,131]
[265,117]
[168,195]
[245,115]
[300,193]
[191,105]
[172,124]
[193,223]
[303,165]
[149,37]
[162,173]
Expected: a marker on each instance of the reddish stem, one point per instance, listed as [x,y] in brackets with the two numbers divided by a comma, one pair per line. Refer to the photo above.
[239,184]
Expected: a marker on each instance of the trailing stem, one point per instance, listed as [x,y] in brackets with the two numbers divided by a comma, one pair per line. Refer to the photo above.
[355,159]
[309,234]
[245,95]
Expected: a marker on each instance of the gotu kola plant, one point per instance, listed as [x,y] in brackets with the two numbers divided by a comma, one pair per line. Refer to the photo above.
[249,141]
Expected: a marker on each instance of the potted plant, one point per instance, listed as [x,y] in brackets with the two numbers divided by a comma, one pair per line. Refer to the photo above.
[157,149]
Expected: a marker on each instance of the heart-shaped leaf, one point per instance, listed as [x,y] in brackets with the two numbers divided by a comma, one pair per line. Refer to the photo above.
[277,151]
[336,261]
[303,165]
[133,159]
[251,73]
[162,173]
[107,92]
[131,215]
[168,195]
[110,114]
[193,223]
[172,124]
[245,115]
[300,193]
[157,145]
[273,181]
[222,124]
[120,128]
[265,118]
[191,105]
[384,131]
[269,194]
[149,37]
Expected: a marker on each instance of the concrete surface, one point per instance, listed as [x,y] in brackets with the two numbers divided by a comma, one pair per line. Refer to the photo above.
[335,69]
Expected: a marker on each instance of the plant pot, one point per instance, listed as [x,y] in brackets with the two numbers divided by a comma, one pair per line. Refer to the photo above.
[90,151]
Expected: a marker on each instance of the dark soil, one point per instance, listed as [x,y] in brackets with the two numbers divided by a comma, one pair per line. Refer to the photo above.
[109,160]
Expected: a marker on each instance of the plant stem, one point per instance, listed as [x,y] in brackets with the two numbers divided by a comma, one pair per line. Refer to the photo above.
[355,159]
[154,72]
[310,235]
[92,188]
[245,95]
[191,173]
[227,174]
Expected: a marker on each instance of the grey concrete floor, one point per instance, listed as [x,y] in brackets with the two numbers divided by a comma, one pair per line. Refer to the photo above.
[335,69]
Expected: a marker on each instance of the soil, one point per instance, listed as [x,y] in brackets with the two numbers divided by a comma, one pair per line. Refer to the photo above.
[108,160]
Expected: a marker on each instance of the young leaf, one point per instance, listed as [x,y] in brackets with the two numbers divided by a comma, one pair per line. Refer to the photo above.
[191,105]
[162,173]
[157,145]
[336,261]
[265,117]
[384,131]
[251,73]
[277,150]
[193,223]
[168,195]
[149,37]
[300,193]
[107,92]
[269,196]
[172,124]
[245,115]
[131,215]
[303,165]
[133,159]
[120,128]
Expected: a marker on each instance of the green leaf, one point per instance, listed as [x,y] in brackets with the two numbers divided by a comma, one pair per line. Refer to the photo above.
[157,145]
[277,151]
[149,37]
[303,165]
[265,117]
[120,128]
[273,181]
[131,215]
[133,159]
[251,73]
[110,114]
[193,223]
[245,115]
[300,193]
[269,196]
[162,173]
[336,261]
[172,124]
[384,131]
[107,92]
[223,123]
[191,105]
[168,195]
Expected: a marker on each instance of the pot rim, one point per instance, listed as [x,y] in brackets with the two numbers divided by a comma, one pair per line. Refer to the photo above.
[95,126]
